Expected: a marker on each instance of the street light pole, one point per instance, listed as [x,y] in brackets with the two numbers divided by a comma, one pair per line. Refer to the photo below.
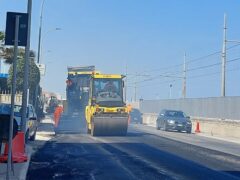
[40,32]
[26,70]
[184,77]
[42,41]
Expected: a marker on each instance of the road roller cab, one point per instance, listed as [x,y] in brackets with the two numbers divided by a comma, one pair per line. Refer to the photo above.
[106,113]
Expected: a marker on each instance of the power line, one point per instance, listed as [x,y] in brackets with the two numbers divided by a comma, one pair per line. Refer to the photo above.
[190,77]
[191,60]
[193,69]
[178,65]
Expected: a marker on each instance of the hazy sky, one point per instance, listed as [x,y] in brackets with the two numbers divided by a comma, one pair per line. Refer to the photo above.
[146,37]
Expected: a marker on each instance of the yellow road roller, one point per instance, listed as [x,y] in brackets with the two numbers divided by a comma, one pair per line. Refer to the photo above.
[106,112]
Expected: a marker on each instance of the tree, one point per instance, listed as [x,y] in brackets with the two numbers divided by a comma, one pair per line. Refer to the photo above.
[3,81]
[34,77]
[1,35]
[8,54]
[1,43]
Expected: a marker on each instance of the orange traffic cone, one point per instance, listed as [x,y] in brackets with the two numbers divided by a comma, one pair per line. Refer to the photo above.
[18,150]
[197,130]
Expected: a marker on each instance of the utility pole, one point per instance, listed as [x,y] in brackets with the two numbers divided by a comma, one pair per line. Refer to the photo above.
[125,86]
[224,56]
[170,91]
[26,70]
[135,89]
[135,92]
[184,77]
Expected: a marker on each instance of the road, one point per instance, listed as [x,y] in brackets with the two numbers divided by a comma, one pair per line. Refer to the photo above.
[144,153]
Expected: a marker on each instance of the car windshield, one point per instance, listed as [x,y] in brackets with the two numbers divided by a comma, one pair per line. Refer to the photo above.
[177,114]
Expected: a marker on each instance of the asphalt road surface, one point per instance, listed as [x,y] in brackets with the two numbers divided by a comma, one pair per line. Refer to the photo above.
[144,153]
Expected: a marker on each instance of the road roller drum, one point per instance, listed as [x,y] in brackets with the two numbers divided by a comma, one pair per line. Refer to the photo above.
[109,125]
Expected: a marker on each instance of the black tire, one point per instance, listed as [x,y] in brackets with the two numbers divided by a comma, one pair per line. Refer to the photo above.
[157,126]
[165,126]
[189,131]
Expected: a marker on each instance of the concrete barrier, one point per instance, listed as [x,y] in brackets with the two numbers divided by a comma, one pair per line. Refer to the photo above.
[149,119]
[210,126]
[218,127]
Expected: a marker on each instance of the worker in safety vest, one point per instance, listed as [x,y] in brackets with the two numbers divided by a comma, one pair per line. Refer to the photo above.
[129,109]
[57,113]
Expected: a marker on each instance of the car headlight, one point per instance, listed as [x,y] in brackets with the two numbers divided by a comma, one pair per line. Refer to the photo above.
[171,121]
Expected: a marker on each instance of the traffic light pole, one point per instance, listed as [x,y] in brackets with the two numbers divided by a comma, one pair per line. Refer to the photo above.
[9,160]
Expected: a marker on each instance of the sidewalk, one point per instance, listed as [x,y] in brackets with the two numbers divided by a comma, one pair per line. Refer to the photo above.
[45,130]
[45,133]
[228,139]
[20,169]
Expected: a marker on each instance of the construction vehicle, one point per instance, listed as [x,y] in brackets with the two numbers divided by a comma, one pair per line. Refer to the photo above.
[52,104]
[106,112]
[77,91]
[78,81]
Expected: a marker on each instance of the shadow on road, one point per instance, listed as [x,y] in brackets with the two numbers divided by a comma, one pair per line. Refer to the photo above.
[56,160]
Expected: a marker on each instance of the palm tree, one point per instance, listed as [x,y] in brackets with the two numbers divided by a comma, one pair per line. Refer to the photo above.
[7,53]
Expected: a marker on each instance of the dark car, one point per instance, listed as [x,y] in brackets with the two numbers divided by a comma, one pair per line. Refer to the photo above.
[135,116]
[174,120]
[32,120]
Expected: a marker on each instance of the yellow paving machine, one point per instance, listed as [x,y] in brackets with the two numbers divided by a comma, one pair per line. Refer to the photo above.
[106,112]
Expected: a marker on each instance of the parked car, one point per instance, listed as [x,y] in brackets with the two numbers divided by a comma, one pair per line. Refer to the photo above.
[32,120]
[135,116]
[174,120]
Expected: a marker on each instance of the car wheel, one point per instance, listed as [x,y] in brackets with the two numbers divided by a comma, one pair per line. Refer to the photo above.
[189,131]
[157,126]
[165,126]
